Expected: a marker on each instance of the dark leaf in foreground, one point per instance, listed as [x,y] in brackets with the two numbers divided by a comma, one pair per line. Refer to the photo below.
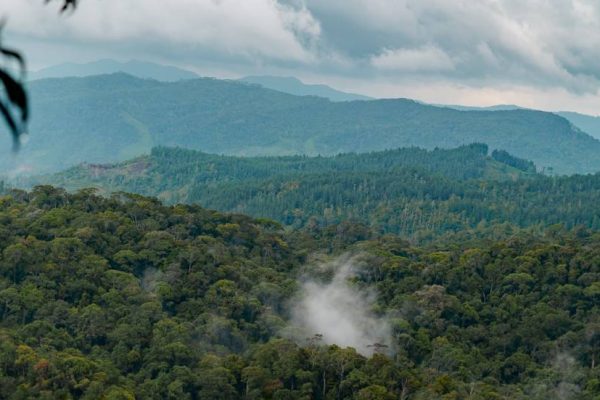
[16,98]
[16,94]
[15,55]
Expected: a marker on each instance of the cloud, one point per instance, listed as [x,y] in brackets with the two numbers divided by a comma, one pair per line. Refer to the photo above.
[493,45]
[424,59]
[248,29]
[536,42]
[339,311]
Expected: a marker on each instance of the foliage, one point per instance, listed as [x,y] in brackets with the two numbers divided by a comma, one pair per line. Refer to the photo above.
[123,297]
[506,158]
[418,194]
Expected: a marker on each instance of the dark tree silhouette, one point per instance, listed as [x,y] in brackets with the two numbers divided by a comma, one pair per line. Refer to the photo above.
[14,103]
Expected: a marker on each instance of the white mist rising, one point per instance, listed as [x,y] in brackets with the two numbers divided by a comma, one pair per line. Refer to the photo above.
[340,311]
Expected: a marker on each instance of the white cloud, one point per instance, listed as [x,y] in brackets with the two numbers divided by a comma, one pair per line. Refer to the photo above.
[427,58]
[249,28]
[511,48]
[339,311]
[535,42]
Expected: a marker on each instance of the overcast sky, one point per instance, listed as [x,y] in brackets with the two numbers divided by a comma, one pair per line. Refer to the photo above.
[536,53]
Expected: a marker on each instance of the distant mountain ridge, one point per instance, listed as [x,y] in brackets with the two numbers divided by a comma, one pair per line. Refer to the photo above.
[140,69]
[291,85]
[587,123]
[110,118]
[497,107]
[296,87]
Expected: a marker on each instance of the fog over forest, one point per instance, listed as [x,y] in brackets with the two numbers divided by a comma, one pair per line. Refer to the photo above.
[299,199]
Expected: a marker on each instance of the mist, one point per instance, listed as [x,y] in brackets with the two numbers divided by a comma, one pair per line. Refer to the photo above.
[340,311]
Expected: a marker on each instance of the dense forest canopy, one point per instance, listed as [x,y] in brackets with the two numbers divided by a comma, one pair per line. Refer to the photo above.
[123,298]
[440,272]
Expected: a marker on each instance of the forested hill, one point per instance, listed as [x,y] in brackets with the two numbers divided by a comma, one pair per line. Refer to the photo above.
[116,117]
[416,193]
[123,298]
[177,166]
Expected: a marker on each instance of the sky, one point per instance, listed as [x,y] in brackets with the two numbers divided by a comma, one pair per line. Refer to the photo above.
[534,53]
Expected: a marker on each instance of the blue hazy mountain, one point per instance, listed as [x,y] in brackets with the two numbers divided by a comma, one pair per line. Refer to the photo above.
[291,85]
[498,107]
[296,87]
[587,123]
[115,117]
[140,69]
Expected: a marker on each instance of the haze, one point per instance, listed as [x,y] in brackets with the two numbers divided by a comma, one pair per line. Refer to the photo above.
[535,54]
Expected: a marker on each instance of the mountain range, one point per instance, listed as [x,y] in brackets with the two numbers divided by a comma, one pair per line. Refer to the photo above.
[108,118]
[291,85]
[587,123]
[296,87]
[140,69]
[168,73]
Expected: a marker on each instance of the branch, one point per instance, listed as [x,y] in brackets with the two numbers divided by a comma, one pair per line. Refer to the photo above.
[66,4]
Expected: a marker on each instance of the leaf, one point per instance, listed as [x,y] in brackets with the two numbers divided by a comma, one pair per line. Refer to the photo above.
[8,117]
[16,55]
[16,94]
